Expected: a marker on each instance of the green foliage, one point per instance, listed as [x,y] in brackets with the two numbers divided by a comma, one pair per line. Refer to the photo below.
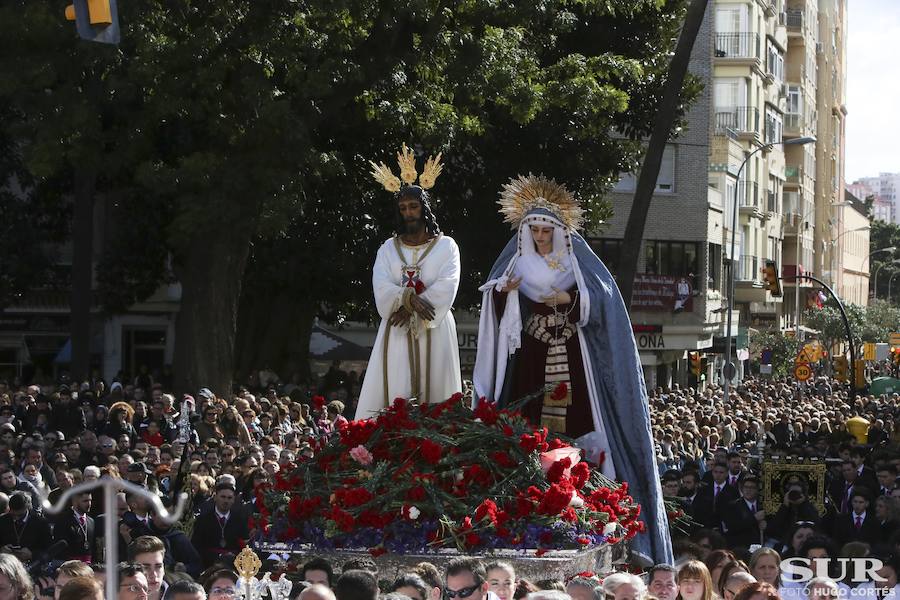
[885,235]
[872,323]
[253,123]
[784,350]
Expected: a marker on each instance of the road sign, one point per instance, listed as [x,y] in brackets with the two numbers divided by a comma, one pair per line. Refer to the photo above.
[894,339]
[868,351]
[802,372]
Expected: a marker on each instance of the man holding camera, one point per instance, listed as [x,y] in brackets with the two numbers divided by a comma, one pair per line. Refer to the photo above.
[795,508]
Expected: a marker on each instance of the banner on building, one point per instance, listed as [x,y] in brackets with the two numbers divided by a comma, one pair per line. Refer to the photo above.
[662,293]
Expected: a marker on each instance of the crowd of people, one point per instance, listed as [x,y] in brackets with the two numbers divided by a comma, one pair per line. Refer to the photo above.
[730,539]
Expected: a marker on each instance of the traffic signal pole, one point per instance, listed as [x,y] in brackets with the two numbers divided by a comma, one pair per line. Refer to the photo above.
[844,318]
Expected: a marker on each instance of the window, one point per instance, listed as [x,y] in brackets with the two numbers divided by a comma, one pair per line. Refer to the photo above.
[729,92]
[714,271]
[678,259]
[731,19]
[773,126]
[774,62]
[665,181]
[609,251]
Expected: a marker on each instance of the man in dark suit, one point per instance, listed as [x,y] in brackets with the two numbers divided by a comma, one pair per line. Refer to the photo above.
[219,531]
[690,486]
[76,527]
[736,470]
[887,478]
[712,499]
[745,521]
[23,532]
[865,475]
[841,489]
[860,525]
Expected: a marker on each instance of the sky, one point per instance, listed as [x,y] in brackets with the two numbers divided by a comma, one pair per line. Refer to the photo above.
[873,88]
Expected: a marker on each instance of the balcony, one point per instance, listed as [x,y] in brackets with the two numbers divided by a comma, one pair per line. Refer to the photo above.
[793,175]
[740,119]
[749,270]
[738,45]
[793,124]
[748,197]
[795,22]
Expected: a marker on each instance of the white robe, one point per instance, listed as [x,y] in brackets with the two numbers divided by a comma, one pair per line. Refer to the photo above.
[439,272]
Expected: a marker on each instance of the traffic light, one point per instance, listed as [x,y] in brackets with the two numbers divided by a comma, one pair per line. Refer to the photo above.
[95,20]
[696,364]
[859,374]
[841,368]
[895,356]
[770,278]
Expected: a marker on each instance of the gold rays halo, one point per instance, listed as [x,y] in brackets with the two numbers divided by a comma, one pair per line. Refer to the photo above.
[406,160]
[525,193]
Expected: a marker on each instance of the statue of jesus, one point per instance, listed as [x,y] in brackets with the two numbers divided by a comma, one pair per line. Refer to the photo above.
[415,279]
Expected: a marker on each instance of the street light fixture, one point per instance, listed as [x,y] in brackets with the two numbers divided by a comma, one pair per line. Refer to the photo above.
[874,252]
[894,274]
[729,370]
[797,267]
[875,279]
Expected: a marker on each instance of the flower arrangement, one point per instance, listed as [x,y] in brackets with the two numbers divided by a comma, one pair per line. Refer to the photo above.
[420,478]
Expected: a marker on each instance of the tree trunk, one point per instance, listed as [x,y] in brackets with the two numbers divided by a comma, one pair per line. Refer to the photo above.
[82,274]
[205,328]
[273,331]
[662,125]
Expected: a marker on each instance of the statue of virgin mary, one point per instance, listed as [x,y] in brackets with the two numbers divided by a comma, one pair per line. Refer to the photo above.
[551,314]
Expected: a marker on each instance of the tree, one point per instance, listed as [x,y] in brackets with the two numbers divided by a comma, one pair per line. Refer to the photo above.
[883,235]
[670,106]
[230,133]
[784,350]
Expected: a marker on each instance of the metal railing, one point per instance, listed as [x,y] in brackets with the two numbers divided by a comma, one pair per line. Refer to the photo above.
[793,173]
[737,45]
[794,18]
[749,270]
[742,119]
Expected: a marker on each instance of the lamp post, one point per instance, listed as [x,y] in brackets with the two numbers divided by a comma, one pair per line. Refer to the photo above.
[835,247]
[797,268]
[894,274]
[729,370]
[874,252]
[881,266]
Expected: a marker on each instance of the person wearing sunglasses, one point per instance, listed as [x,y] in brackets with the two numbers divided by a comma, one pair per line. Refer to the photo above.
[466,579]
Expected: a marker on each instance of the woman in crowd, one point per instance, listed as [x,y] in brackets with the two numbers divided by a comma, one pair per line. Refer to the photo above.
[15,583]
[725,571]
[714,562]
[120,422]
[799,533]
[501,578]
[758,591]
[694,582]
[411,585]
[765,565]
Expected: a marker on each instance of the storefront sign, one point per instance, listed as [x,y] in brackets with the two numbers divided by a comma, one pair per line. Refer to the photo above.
[662,293]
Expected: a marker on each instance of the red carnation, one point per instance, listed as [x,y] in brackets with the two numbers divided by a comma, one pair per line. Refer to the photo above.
[558,469]
[431,452]
[556,499]
[487,508]
[580,474]
[487,412]
[472,540]
[503,459]
[416,493]
[560,391]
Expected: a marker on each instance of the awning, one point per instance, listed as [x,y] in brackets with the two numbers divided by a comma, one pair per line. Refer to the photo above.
[325,345]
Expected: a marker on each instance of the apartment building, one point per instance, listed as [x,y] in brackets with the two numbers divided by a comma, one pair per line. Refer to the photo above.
[750,98]
[679,286]
[886,189]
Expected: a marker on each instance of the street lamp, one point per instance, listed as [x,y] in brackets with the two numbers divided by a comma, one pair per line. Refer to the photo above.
[874,252]
[875,289]
[836,248]
[894,274]
[797,268]
[729,370]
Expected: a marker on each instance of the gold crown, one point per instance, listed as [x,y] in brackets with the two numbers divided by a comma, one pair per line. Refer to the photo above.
[524,194]
[407,162]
